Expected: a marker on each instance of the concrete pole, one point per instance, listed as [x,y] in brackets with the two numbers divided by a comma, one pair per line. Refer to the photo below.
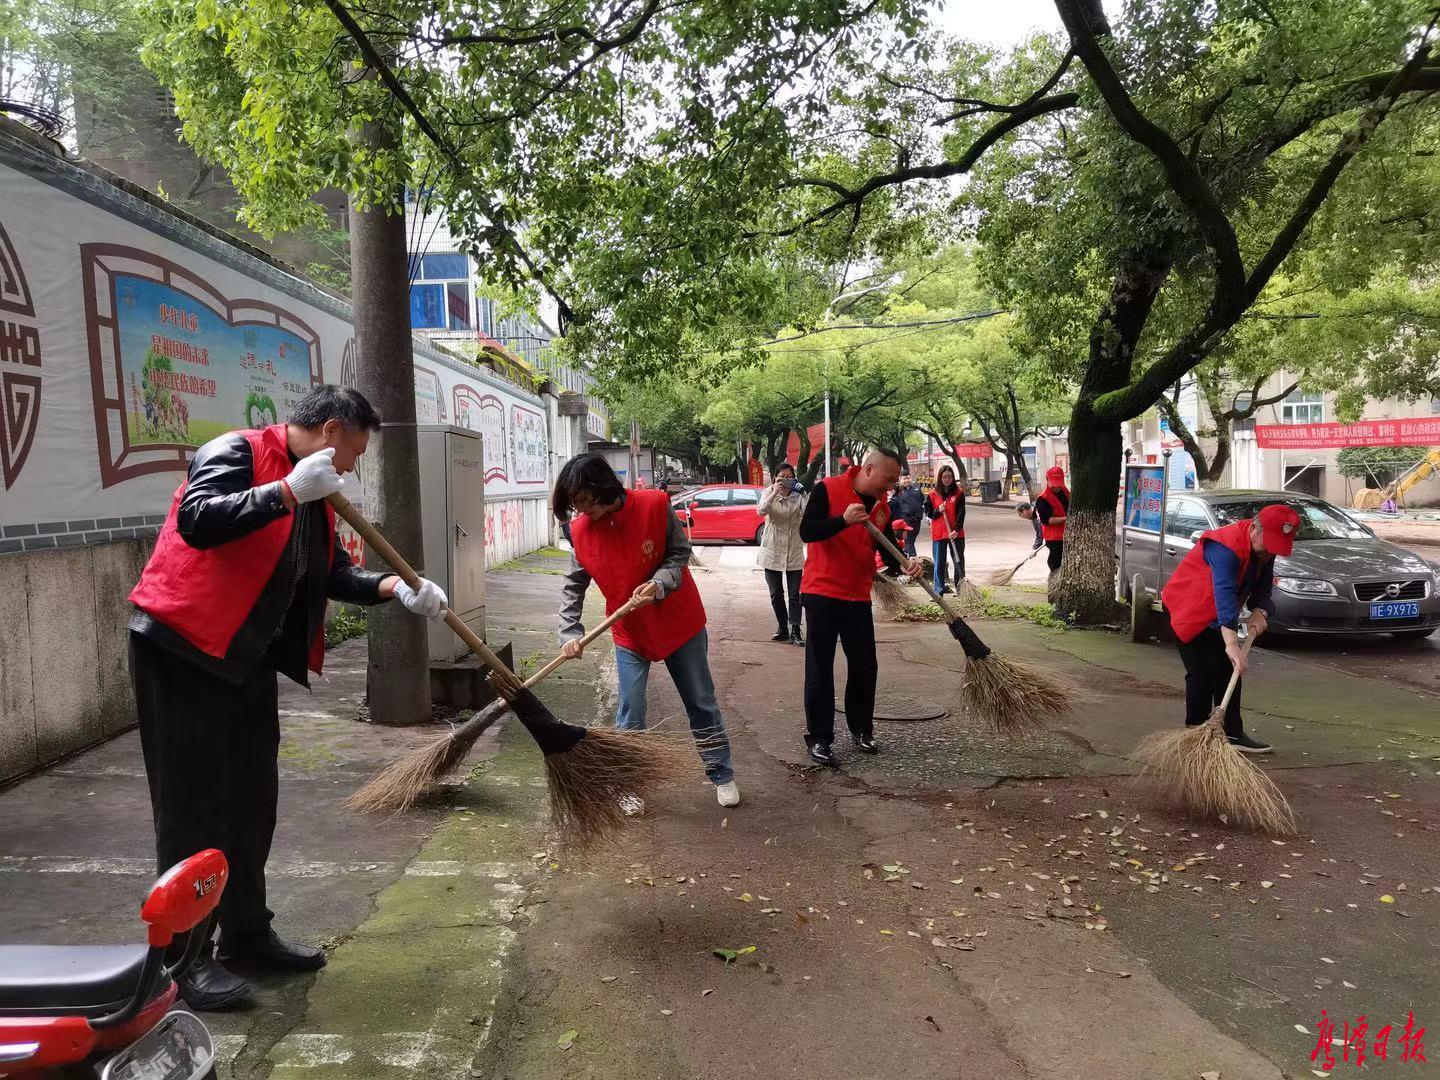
[398,674]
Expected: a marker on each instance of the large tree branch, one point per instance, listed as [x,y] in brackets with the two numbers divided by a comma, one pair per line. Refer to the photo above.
[1182,174]
[1350,145]
[851,197]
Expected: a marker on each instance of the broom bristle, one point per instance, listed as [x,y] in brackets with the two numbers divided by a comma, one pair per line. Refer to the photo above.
[589,781]
[402,783]
[888,598]
[1197,770]
[1013,696]
[969,594]
[1005,577]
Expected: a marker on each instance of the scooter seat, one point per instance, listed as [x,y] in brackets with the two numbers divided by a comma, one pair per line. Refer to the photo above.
[84,979]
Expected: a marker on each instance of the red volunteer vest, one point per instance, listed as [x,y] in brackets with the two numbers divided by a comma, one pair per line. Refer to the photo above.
[1048,531]
[1189,595]
[205,596]
[620,553]
[843,567]
[940,526]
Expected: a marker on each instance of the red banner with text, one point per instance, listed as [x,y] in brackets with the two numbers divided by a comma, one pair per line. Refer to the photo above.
[1415,431]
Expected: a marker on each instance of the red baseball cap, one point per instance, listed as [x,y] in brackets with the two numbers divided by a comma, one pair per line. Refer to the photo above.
[1279,524]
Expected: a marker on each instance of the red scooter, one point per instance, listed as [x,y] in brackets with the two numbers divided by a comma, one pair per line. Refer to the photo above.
[105,1011]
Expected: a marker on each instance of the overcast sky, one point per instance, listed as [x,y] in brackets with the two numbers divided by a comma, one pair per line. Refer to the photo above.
[997,22]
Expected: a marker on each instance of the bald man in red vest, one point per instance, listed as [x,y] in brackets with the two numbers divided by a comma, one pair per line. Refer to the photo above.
[1228,568]
[835,592]
[631,544]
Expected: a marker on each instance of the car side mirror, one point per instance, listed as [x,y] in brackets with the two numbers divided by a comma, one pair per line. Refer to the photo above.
[693,506]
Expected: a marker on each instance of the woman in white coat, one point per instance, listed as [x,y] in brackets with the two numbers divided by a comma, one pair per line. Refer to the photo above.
[782,554]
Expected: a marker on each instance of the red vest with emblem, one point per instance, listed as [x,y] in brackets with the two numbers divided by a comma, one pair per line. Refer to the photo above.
[620,553]
[206,595]
[940,525]
[1048,531]
[1189,595]
[843,567]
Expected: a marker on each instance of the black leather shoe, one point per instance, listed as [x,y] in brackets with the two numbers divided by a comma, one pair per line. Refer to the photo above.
[795,638]
[208,987]
[272,953]
[780,635]
[821,755]
[867,744]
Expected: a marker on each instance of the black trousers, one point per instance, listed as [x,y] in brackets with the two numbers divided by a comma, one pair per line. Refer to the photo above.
[1057,552]
[1207,674]
[211,756]
[851,623]
[783,584]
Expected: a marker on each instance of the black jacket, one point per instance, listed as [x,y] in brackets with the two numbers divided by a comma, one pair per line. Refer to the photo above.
[221,504]
[909,506]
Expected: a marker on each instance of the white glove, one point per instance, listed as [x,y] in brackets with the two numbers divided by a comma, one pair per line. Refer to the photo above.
[314,477]
[428,600]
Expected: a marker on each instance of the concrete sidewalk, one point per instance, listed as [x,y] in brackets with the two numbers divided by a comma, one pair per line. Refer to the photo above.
[962,905]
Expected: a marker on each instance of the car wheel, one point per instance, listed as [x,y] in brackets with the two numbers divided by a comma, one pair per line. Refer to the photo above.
[759,535]
[1414,635]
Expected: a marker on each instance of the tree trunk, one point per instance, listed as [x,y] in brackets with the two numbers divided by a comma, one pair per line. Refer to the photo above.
[1086,591]
[398,671]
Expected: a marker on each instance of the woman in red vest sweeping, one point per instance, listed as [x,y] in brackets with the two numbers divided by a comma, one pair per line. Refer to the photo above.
[234,593]
[1228,568]
[1051,507]
[624,541]
[835,592]
[945,507]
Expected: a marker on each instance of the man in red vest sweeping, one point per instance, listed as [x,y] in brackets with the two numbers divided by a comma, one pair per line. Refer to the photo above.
[1051,507]
[835,592]
[1228,568]
[625,541]
[236,591]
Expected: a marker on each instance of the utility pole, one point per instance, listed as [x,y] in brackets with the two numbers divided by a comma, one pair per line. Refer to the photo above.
[398,673]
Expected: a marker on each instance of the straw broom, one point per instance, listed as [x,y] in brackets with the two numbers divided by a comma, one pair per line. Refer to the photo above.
[888,598]
[967,594]
[1014,696]
[589,770]
[1198,770]
[1005,577]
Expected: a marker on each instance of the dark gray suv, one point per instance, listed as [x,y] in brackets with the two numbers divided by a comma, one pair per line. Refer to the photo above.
[1340,579]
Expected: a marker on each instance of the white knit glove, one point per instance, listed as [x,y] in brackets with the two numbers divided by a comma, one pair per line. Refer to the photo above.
[428,600]
[314,477]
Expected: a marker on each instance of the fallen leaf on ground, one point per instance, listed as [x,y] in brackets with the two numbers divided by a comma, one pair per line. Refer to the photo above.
[667,1012]
[568,1039]
[608,978]
[1210,1076]
[1387,899]
[707,993]
[728,955]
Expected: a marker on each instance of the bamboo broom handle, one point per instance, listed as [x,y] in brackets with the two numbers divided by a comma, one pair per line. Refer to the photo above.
[884,541]
[371,535]
[1235,676]
[624,609]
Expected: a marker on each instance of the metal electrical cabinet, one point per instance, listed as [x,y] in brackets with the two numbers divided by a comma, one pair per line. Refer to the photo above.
[452,505]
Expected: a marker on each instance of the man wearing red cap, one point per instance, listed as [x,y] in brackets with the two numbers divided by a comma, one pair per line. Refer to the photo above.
[1231,567]
[1051,506]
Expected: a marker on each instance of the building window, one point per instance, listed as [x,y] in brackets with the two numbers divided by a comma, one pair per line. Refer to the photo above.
[440,292]
[1302,408]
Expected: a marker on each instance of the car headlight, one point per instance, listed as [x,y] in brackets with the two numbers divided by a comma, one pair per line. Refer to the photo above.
[1304,586]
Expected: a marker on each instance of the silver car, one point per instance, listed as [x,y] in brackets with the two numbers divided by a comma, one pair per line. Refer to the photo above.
[1340,579]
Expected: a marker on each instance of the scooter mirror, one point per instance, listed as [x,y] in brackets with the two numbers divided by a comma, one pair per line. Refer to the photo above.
[185,894]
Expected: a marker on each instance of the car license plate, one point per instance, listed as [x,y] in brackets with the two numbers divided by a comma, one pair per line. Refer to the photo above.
[177,1048]
[1395,609]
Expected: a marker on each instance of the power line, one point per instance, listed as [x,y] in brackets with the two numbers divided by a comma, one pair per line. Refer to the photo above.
[968,317]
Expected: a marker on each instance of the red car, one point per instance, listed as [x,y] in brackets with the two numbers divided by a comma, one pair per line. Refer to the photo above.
[721,512]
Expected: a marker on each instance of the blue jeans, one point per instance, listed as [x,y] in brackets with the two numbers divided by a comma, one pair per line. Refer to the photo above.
[940,550]
[690,669]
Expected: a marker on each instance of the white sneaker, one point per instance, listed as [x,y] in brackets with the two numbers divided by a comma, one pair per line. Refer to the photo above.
[727,794]
[633,805]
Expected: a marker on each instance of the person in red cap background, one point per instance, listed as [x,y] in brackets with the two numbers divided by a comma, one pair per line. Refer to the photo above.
[1231,567]
[1051,507]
